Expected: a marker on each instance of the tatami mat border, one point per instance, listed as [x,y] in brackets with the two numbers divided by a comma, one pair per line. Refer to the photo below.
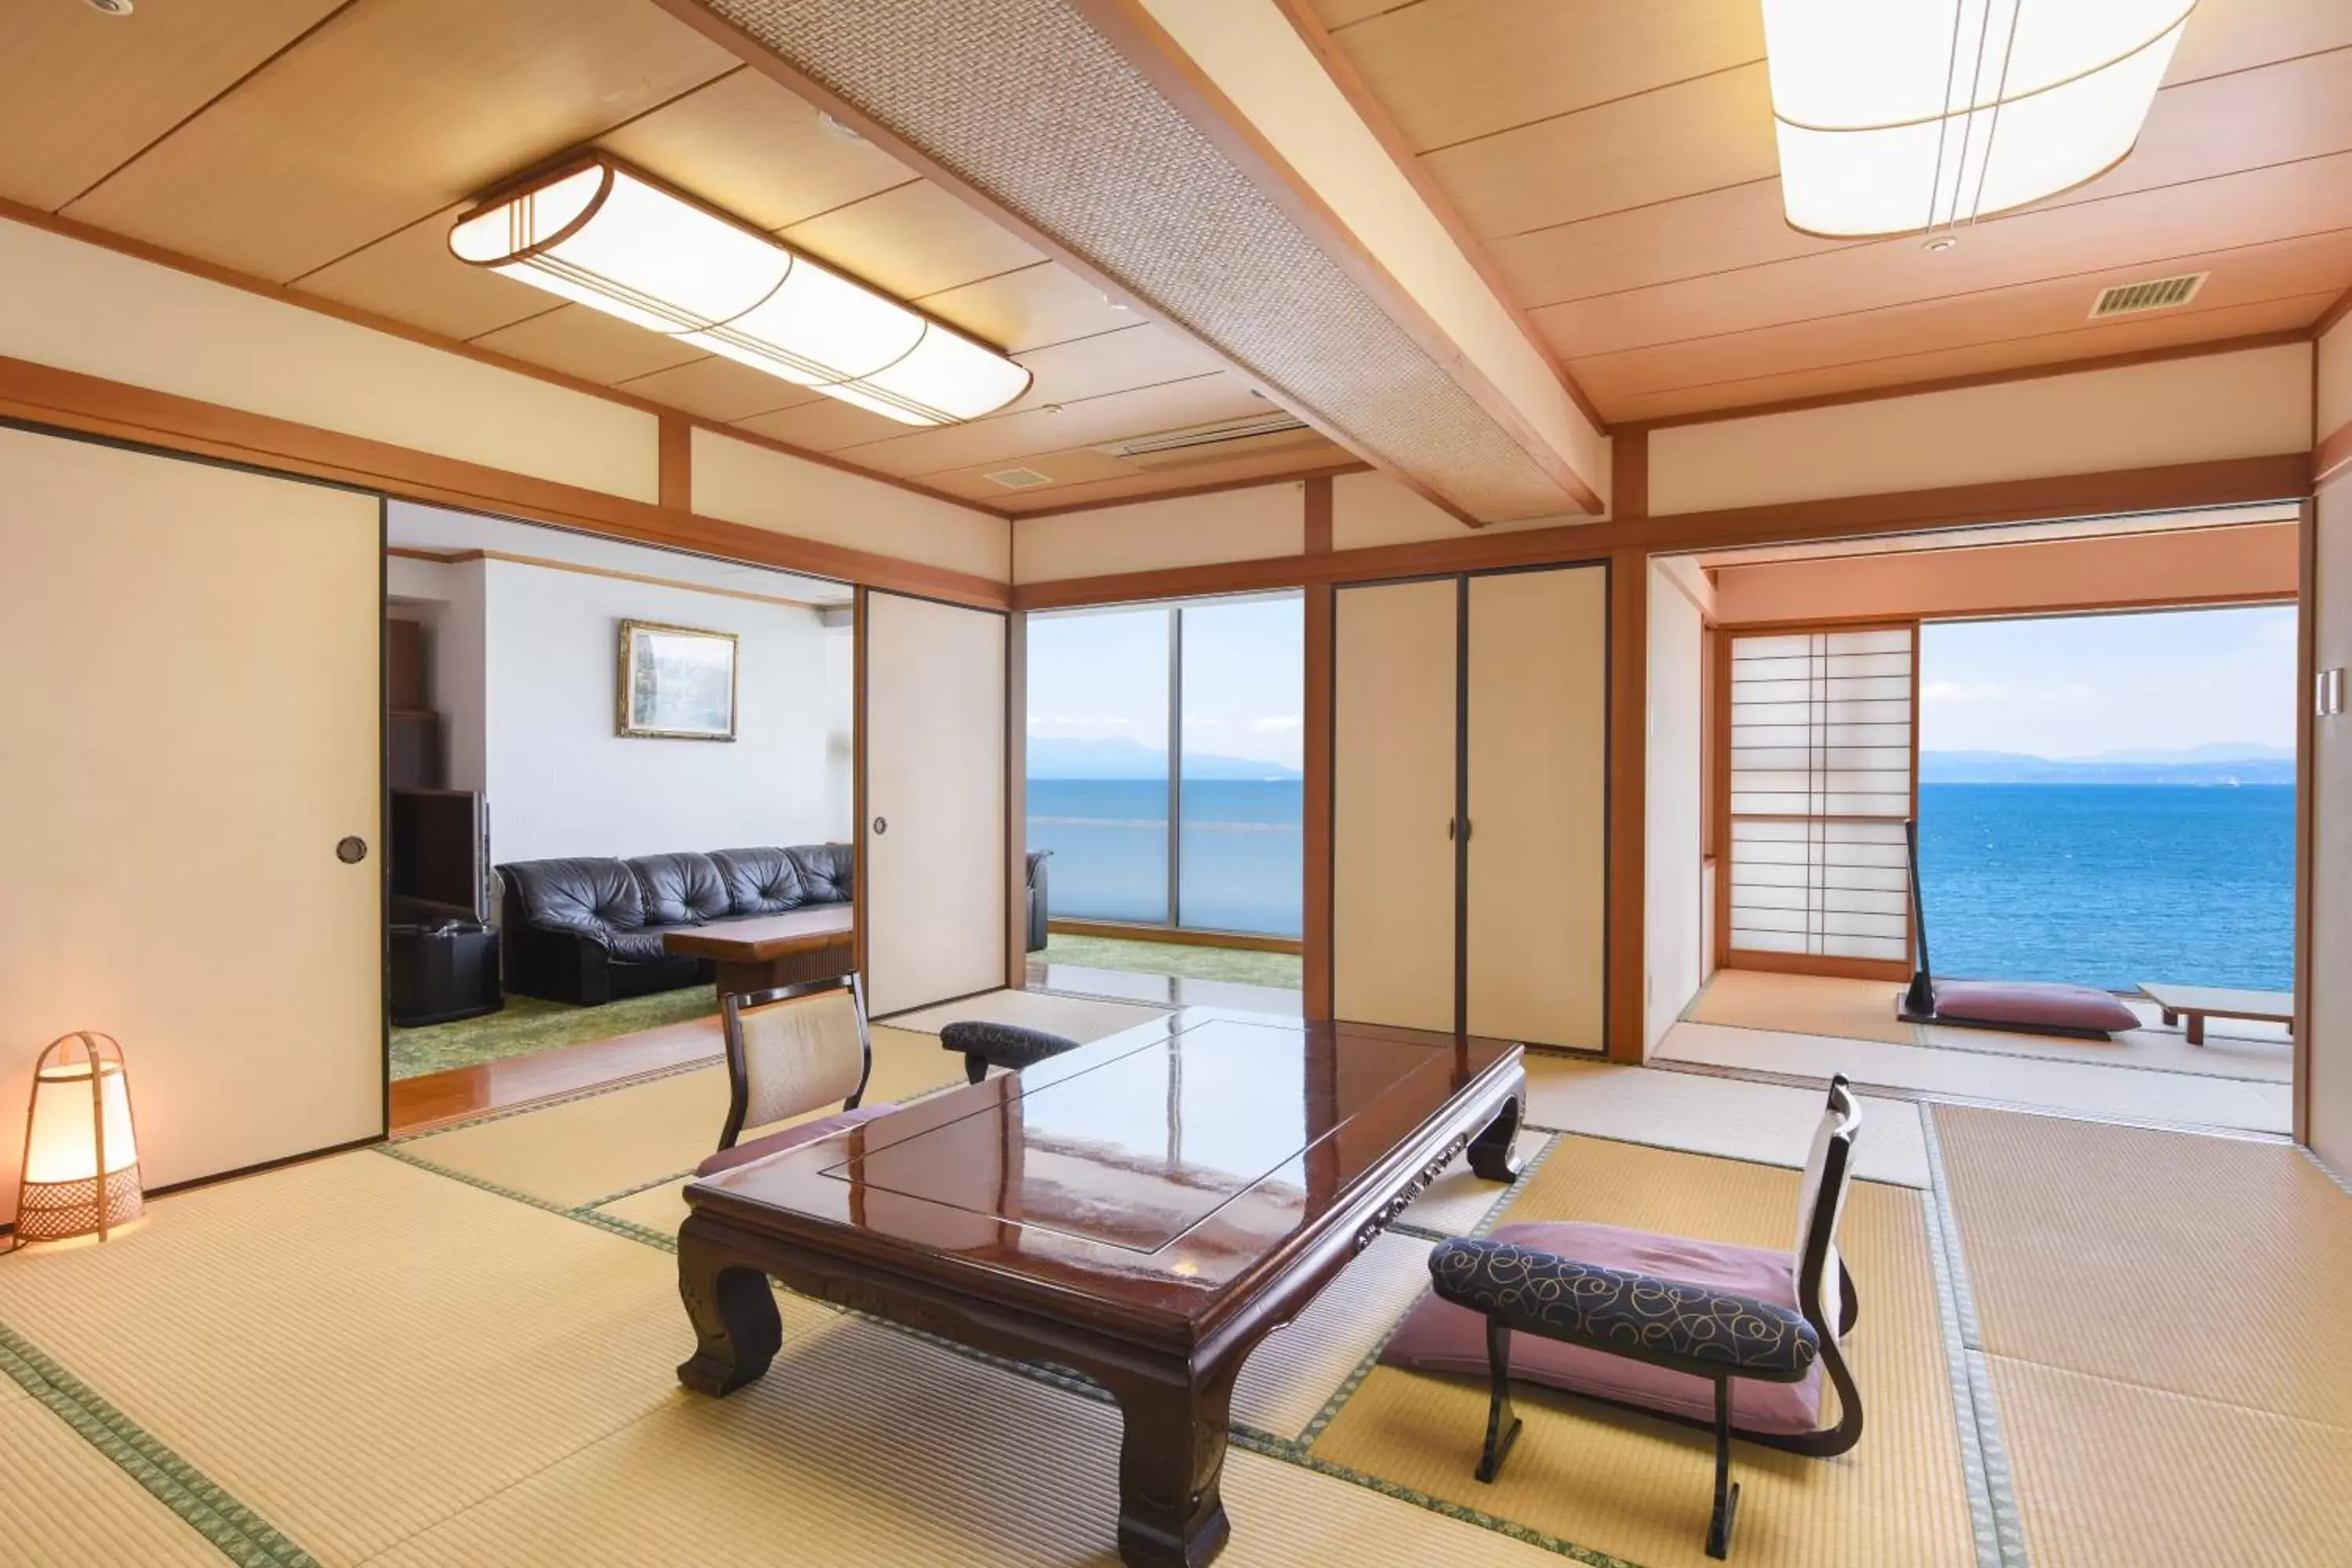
[1984,1458]
[239,1534]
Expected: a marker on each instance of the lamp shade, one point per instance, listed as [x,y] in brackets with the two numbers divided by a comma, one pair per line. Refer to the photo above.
[81,1150]
[603,236]
[1900,115]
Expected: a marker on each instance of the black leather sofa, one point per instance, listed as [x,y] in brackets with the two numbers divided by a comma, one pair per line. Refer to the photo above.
[588,931]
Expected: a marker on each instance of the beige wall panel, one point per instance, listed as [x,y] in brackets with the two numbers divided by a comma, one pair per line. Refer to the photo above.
[1674,905]
[2249,403]
[201,731]
[1144,536]
[1392,797]
[2254,560]
[739,482]
[2335,379]
[2329,1088]
[1369,509]
[934,731]
[83,308]
[1538,805]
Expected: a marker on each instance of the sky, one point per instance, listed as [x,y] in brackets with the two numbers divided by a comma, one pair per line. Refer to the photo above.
[1103,675]
[2082,685]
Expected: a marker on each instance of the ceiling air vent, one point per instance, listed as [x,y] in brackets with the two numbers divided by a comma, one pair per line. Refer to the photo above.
[1020,479]
[2155,294]
[1208,443]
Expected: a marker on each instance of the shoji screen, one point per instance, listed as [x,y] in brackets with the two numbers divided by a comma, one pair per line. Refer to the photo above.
[1823,738]
[1393,788]
[933,727]
[195,726]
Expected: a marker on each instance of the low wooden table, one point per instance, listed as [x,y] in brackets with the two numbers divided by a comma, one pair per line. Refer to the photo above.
[761,952]
[1145,1209]
[2198,1003]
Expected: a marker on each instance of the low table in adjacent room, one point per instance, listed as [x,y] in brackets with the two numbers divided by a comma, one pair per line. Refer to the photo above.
[2195,1004]
[761,952]
[1145,1209]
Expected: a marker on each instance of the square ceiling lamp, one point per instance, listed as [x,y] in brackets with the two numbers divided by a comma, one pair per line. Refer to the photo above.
[81,1154]
[1898,116]
[603,236]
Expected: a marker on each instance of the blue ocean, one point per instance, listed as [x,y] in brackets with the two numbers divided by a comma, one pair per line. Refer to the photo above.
[2110,884]
[1243,861]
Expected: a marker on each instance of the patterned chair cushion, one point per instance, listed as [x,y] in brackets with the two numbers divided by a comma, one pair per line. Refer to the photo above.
[1003,1045]
[1683,1325]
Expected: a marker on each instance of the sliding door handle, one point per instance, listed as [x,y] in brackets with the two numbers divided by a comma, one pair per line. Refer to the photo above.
[1449,830]
[881,825]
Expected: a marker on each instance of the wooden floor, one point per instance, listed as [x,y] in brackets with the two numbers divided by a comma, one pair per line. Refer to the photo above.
[436,1097]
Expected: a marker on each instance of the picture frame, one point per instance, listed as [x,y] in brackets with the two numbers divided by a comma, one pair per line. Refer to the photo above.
[674,683]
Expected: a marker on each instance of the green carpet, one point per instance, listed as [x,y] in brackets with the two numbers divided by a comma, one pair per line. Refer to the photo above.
[1238,963]
[527,1024]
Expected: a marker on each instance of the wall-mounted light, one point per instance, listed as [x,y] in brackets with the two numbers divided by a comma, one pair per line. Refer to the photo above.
[605,237]
[1900,115]
[82,1153]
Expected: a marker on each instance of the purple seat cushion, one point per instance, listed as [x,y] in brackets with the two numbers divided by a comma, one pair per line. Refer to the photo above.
[791,1137]
[1438,1336]
[2028,1003]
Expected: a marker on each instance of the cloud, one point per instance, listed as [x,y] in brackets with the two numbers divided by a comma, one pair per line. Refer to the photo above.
[1278,722]
[1962,691]
[1202,722]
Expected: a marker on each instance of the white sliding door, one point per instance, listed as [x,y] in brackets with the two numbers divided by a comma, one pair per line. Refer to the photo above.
[193,726]
[1393,759]
[933,841]
[1537,806]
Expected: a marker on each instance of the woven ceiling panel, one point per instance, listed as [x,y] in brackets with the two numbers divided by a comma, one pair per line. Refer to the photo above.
[1027,102]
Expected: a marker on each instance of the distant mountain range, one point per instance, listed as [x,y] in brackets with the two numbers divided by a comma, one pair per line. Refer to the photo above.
[1119,758]
[2221,763]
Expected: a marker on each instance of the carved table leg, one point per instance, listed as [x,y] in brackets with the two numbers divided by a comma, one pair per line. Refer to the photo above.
[736,1326]
[1172,1455]
[1491,1156]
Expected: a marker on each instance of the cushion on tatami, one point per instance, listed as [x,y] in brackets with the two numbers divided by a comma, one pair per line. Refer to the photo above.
[1770,1123]
[354,1348]
[1083,1018]
[63,1504]
[1639,1487]
[583,1149]
[864,1446]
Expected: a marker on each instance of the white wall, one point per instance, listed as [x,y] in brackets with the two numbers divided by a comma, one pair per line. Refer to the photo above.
[560,782]
[1675,933]
[841,719]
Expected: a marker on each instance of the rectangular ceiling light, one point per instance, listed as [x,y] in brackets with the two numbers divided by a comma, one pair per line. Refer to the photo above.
[605,237]
[1895,116]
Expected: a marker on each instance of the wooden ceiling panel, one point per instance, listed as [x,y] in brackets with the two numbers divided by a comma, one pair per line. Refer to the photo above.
[2165,331]
[2144,231]
[1320,456]
[1678,141]
[80,92]
[391,111]
[911,241]
[1716,231]
[716,388]
[411,276]
[1028,309]
[2232,35]
[2283,269]
[1004,438]
[589,344]
[752,148]
[822,424]
[1336,14]
[1144,354]
[1450,70]
[1078,466]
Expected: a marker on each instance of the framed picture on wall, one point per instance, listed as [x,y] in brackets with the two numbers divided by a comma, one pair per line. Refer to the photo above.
[677,683]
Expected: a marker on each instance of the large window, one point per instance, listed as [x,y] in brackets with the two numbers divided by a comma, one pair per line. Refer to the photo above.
[1188,715]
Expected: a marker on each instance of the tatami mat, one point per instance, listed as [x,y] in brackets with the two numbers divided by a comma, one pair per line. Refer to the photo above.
[583,1149]
[1770,1123]
[63,1504]
[661,1208]
[1459,1198]
[2261,1053]
[1294,1372]
[863,1447]
[355,1349]
[1083,1018]
[1802,1005]
[2111,1474]
[2212,1267]
[1640,1489]
[2059,1085]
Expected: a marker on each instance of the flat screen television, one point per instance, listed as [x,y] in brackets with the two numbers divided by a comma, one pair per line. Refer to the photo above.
[440,849]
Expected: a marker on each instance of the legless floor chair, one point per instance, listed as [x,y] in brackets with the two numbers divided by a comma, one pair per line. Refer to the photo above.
[1702,1333]
[791,1051]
